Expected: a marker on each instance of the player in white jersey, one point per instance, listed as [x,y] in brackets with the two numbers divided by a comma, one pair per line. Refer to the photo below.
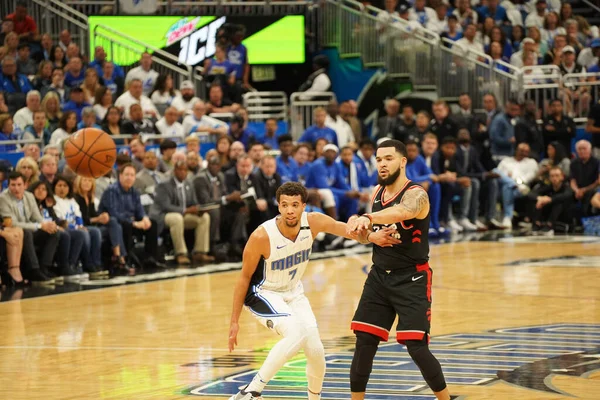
[270,287]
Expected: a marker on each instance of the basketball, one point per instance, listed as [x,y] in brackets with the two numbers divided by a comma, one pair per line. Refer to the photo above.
[90,152]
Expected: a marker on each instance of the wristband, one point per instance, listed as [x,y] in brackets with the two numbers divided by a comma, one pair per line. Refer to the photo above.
[369,234]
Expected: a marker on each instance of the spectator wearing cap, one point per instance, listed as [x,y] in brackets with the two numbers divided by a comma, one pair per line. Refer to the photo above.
[24,117]
[287,167]
[169,126]
[237,132]
[135,95]
[185,101]
[324,173]
[201,124]
[24,24]
[578,97]
[536,18]
[144,73]
[318,130]
[25,64]
[167,149]
[527,46]
[77,102]
[589,57]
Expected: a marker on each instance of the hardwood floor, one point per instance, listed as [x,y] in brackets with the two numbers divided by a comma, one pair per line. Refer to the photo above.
[527,330]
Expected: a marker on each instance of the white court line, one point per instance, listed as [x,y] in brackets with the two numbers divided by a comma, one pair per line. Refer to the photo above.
[200,349]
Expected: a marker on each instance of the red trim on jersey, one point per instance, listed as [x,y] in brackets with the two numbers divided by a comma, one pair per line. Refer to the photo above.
[372,329]
[385,203]
[406,227]
[375,193]
[417,232]
[416,240]
[425,268]
[416,187]
[403,336]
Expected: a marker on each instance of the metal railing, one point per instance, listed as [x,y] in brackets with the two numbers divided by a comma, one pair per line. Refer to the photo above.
[264,105]
[302,106]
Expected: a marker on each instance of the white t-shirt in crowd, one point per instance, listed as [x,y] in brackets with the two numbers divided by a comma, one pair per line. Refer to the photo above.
[473,46]
[23,118]
[126,100]
[342,129]
[58,136]
[533,19]
[170,130]
[100,111]
[184,106]
[163,98]
[524,170]
[190,123]
[148,78]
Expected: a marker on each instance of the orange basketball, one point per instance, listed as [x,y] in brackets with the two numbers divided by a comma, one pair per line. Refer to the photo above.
[90,152]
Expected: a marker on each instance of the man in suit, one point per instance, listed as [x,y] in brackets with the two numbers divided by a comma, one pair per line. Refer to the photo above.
[387,126]
[176,202]
[468,158]
[267,181]
[239,179]
[147,179]
[210,187]
[21,206]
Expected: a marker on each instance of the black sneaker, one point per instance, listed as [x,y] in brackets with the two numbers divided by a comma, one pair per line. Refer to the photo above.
[547,230]
[58,280]
[536,229]
[38,278]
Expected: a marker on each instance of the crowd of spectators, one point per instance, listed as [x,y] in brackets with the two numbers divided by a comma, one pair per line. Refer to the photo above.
[477,167]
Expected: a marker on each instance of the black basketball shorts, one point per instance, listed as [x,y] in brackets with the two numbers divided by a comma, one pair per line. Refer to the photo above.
[403,292]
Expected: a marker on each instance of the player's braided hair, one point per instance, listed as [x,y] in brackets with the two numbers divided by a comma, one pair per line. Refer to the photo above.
[292,189]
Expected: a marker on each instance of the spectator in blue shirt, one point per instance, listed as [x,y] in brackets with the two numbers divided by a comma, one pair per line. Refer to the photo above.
[270,136]
[326,174]
[452,33]
[495,11]
[6,133]
[286,166]
[100,60]
[502,131]
[237,54]
[356,177]
[319,130]
[77,103]
[10,80]
[220,68]
[122,202]
[74,73]
[366,155]
[418,171]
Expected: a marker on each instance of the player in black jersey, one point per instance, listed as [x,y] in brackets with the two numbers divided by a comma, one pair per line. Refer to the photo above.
[400,280]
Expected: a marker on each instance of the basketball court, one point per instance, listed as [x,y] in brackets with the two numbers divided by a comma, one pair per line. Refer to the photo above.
[513,318]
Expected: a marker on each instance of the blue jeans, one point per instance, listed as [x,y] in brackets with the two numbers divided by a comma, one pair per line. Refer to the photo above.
[435,199]
[70,245]
[509,192]
[91,255]
[114,232]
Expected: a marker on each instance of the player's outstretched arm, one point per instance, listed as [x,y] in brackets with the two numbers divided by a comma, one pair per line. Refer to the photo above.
[256,247]
[414,204]
[324,223]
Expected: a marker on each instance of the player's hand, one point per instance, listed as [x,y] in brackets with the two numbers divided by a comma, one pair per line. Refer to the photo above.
[233,331]
[261,204]
[384,237]
[357,224]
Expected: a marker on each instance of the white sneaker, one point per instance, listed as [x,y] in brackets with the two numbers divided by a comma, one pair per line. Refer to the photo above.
[481,226]
[469,227]
[507,223]
[454,226]
[246,396]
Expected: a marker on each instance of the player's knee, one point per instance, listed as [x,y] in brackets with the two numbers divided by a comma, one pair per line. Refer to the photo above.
[427,363]
[314,347]
[362,363]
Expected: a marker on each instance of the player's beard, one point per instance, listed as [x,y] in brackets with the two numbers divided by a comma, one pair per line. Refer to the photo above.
[292,225]
[390,179]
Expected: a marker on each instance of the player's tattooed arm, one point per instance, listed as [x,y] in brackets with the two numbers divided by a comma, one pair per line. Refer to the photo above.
[414,204]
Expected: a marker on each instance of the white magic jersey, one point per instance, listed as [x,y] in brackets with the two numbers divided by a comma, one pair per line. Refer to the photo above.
[287,261]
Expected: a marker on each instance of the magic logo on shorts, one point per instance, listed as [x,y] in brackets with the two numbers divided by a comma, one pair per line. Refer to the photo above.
[529,357]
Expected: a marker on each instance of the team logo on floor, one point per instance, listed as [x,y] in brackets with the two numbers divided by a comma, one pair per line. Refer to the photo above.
[562,261]
[528,357]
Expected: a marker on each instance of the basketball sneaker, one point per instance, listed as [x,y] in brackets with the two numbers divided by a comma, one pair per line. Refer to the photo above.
[242,395]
